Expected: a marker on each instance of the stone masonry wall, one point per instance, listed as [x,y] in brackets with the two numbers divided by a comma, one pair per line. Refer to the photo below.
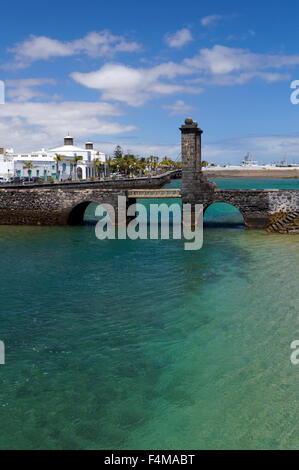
[52,204]
[258,207]
[48,206]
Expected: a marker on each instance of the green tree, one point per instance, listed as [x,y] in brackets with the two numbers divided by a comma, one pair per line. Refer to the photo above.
[58,158]
[167,164]
[118,152]
[153,163]
[111,165]
[141,166]
[97,162]
[28,166]
[75,161]
[129,163]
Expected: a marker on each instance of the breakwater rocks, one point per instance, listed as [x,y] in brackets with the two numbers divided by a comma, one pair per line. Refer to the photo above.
[65,203]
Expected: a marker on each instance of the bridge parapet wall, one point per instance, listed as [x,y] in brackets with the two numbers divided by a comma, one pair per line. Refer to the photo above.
[283,200]
[258,206]
[50,206]
[62,203]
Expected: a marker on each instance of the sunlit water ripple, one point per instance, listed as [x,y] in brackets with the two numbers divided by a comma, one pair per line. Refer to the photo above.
[140,344]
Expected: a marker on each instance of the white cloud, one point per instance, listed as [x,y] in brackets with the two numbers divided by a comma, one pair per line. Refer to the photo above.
[32,126]
[219,65]
[239,79]
[239,64]
[179,107]
[179,39]
[25,89]
[134,86]
[29,126]
[94,44]
[210,20]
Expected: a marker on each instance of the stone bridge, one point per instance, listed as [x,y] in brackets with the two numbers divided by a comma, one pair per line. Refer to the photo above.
[65,203]
[260,208]
[275,210]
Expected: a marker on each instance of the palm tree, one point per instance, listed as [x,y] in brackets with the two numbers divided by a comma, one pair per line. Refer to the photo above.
[155,164]
[99,165]
[167,163]
[129,163]
[58,158]
[139,168]
[111,165]
[28,166]
[75,161]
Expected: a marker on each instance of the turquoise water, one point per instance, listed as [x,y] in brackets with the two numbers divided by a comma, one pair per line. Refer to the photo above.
[142,345]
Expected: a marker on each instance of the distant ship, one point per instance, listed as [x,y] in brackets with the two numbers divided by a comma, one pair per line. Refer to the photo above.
[284,163]
[248,160]
[248,163]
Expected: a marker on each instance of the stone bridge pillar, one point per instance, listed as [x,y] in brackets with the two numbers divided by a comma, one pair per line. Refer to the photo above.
[194,182]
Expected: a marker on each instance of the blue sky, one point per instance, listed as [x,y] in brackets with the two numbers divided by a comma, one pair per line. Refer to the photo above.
[129,73]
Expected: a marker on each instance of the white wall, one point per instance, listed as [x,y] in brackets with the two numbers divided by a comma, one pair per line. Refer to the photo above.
[6,169]
[40,166]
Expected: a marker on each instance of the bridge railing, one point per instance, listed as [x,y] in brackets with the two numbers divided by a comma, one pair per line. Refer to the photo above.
[101,183]
[154,193]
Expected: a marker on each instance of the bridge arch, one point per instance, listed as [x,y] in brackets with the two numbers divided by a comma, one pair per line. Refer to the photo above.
[75,215]
[224,213]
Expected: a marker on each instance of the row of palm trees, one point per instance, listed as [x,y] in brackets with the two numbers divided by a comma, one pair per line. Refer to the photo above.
[29,166]
[131,165]
[74,161]
[124,164]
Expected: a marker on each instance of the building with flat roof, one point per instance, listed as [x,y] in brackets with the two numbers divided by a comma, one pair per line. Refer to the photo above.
[76,162]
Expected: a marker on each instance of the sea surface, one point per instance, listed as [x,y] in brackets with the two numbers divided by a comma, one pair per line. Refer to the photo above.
[122,344]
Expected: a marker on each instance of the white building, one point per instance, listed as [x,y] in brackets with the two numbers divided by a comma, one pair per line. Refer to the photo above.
[43,163]
[6,163]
